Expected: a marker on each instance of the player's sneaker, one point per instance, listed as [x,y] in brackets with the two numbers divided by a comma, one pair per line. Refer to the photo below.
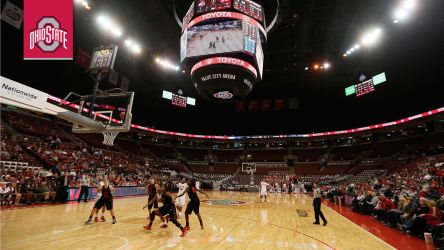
[202,226]
[184,232]
[167,218]
[96,219]
[148,227]
[102,219]
[187,228]
[164,226]
[89,221]
[114,221]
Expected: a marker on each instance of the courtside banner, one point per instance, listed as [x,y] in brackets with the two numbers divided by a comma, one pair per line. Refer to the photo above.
[48,30]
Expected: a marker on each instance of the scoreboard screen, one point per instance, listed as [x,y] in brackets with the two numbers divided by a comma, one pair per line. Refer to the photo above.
[203,6]
[364,87]
[213,38]
[103,58]
[188,16]
[250,8]
[250,37]
[179,101]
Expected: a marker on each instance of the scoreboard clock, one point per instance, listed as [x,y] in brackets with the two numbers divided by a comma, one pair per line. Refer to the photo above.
[365,87]
[250,8]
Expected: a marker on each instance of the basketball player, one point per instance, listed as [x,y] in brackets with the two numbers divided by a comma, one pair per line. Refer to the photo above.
[198,184]
[151,195]
[180,202]
[105,200]
[102,218]
[193,204]
[263,190]
[317,205]
[166,209]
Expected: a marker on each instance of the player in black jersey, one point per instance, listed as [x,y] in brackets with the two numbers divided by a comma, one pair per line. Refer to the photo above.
[193,204]
[151,195]
[105,200]
[167,208]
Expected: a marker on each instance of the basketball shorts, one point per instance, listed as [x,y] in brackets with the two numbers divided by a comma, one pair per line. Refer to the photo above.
[180,201]
[108,203]
[193,206]
[170,210]
[263,192]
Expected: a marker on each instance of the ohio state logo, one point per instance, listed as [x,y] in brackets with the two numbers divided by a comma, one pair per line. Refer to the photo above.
[48,35]
[223,95]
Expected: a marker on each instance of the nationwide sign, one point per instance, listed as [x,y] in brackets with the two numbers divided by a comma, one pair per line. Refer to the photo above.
[48,30]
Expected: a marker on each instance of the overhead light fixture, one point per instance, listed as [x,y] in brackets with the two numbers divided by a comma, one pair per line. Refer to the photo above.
[371,37]
[327,65]
[104,22]
[128,42]
[117,32]
[408,4]
[136,48]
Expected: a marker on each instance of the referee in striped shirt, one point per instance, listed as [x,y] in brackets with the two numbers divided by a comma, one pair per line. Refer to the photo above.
[317,205]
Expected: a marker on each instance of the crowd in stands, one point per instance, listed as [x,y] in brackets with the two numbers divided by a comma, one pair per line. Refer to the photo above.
[409,199]
[65,165]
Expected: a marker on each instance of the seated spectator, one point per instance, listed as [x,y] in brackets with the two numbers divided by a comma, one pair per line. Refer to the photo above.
[418,224]
[385,204]
[394,215]
[370,203]
[357,202]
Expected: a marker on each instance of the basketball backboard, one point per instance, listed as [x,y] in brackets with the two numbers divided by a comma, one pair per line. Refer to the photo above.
[111,111]
[249,167]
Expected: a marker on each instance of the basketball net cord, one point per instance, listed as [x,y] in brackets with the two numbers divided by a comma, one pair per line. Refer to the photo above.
[109,136]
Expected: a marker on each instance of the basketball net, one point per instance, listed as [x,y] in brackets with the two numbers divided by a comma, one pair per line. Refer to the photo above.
[109,136]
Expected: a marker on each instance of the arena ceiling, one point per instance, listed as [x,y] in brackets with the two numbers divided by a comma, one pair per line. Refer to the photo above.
[308,32]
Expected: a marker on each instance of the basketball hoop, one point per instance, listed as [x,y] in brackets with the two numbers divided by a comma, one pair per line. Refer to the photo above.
[109,136]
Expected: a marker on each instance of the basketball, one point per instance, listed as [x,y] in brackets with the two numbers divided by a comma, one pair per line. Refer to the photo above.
[122,115]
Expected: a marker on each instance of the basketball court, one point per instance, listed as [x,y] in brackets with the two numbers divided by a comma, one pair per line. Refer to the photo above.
[233,221]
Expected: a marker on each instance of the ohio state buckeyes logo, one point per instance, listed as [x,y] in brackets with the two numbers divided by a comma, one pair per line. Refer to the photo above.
[48,36]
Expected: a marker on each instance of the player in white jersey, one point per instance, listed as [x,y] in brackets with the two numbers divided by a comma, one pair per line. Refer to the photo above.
[263,190]
[181,201]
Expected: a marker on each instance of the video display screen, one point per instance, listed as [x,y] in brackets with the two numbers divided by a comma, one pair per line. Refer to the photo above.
[260,58]
[203,6]
[250,37]
[364,87]
[249,8]
[188,16]
[183,45]
[214,38]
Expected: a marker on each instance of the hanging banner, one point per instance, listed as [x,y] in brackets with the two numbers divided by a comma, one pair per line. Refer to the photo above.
[12,15]
[48,30]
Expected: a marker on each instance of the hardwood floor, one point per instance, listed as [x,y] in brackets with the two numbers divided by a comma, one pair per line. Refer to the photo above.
[252,225]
